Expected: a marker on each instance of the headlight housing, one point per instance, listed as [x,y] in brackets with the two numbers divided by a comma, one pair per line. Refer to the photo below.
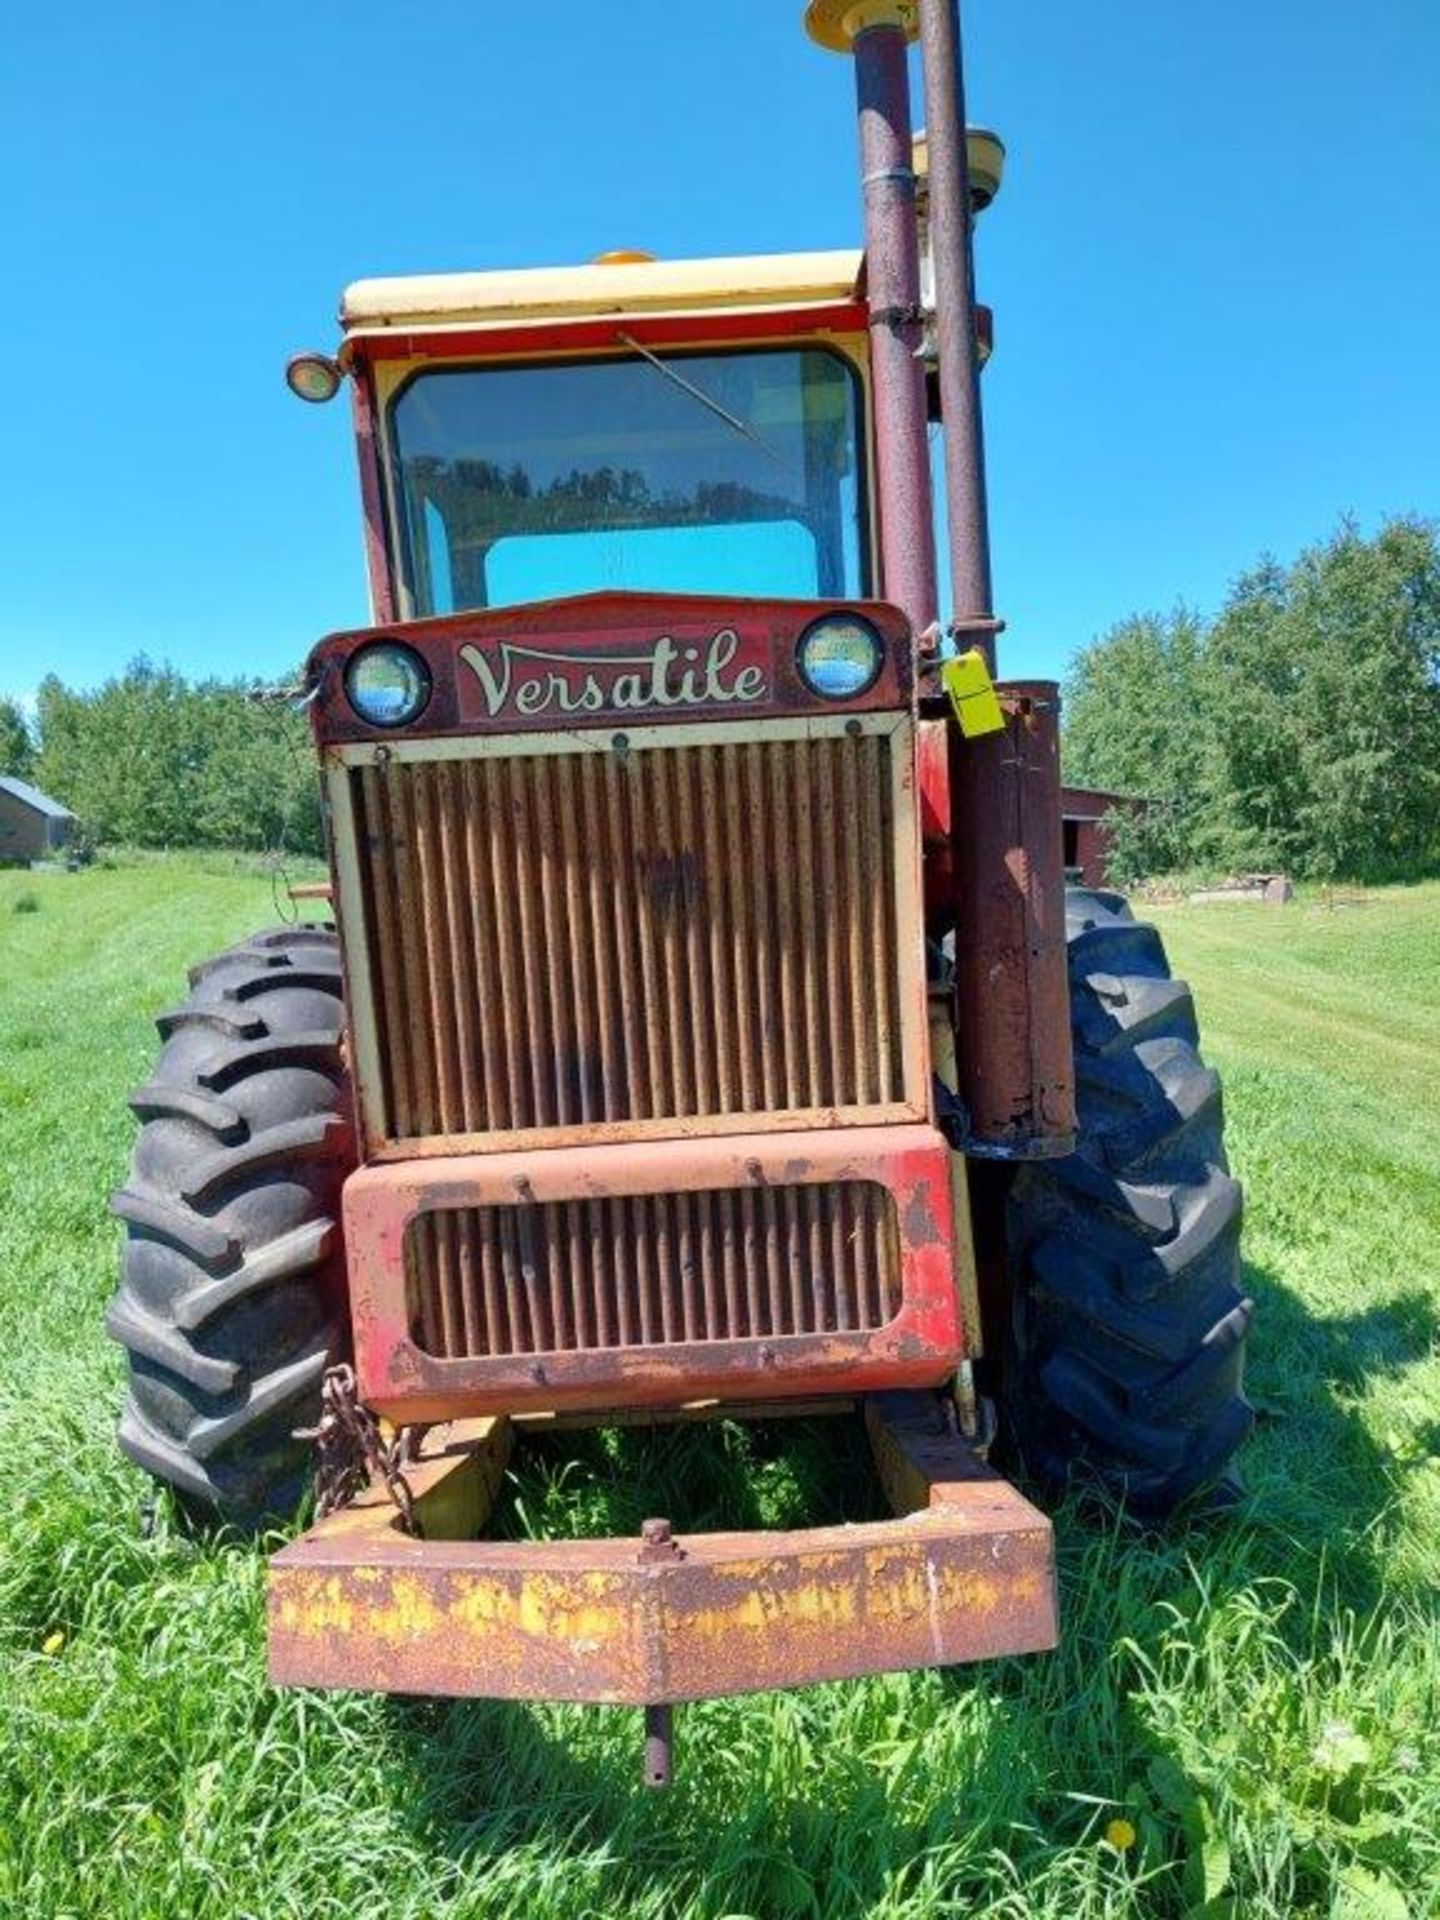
[840,656]
[387,684]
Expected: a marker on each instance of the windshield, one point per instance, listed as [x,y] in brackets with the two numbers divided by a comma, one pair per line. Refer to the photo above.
[727,473]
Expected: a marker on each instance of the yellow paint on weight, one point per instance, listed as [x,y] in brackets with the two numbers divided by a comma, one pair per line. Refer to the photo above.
[599,1611]
[566,1608]
[312,1605]
[410,1615]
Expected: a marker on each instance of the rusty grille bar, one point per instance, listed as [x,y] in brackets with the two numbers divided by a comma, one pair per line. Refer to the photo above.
[580,1276]
[575,940]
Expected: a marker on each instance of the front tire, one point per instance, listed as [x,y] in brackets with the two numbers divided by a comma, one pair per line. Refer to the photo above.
[1129,1320]
[231,1301]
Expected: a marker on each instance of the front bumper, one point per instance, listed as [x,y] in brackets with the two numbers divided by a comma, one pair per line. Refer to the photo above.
[964,1572]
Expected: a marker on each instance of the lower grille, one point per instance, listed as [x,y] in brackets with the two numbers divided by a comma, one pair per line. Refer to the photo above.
[581,1276]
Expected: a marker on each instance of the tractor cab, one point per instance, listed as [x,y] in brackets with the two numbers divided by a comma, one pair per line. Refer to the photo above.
[691,426]
[633,425]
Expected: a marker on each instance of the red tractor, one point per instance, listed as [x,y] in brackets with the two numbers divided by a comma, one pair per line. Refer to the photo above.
[704,1022]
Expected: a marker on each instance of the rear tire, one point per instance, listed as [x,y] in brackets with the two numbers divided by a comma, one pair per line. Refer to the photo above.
[231,1301]
[1128,1318]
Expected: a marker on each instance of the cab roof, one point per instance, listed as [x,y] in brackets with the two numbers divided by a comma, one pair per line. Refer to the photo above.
[471,300]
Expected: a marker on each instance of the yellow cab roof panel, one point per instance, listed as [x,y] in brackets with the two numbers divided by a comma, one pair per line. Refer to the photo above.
[632,286]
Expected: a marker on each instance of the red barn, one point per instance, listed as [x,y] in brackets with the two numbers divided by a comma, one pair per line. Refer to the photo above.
[1087,839]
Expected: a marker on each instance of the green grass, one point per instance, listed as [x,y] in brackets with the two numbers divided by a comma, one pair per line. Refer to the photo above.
[1259,1699]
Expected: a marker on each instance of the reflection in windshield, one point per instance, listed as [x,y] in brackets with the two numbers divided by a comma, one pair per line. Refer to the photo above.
[518,483]
[661,559]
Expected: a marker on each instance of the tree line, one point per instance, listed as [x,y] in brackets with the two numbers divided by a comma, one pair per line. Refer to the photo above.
[1298,731]
[151,759]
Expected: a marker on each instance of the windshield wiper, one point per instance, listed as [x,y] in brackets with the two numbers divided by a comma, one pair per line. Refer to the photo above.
[697,393]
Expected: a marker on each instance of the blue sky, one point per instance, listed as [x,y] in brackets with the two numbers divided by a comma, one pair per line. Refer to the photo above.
[1214,266]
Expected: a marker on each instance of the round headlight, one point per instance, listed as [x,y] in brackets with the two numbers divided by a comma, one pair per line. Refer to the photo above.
[313,376]
[388,685]
[840,656]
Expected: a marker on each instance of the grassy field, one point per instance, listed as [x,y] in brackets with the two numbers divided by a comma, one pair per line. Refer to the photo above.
[1256,1702]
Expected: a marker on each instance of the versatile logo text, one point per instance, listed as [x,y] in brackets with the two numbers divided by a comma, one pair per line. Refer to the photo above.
[528,681]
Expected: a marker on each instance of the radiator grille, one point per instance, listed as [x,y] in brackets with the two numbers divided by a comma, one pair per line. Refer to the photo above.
[579,1276]
[579,939]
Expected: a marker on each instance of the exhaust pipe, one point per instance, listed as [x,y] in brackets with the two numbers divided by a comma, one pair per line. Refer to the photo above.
[966,508]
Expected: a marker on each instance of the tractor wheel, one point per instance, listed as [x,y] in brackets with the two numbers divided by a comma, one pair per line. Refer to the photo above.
[232,1301]
[1129,1322]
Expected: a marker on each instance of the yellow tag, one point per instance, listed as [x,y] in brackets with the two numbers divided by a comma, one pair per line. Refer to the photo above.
[967,680]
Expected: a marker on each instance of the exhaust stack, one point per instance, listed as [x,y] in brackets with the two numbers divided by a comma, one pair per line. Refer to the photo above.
[878,32]
[1011,988]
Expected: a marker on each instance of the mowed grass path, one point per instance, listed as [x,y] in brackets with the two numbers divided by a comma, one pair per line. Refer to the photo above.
[1258,1700]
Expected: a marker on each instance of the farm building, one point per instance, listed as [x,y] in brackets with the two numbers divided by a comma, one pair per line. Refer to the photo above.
[1087,839]
[32,825]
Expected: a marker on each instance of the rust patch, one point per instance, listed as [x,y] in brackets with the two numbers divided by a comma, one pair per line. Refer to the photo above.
[673,881]
[918,1222]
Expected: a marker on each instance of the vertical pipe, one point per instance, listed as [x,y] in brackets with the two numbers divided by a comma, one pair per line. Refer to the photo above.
[892,266]
[950,240]
[1011,987]
[659,1745]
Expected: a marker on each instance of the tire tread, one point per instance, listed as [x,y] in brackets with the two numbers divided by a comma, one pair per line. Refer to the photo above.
[230,1303]
[1129,1319]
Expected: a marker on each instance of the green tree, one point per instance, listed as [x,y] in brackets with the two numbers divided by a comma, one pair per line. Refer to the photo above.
[17,749]
[1326,680]
[1300,731]
[151,760]
[125,756]
[259,788]
[1136,723]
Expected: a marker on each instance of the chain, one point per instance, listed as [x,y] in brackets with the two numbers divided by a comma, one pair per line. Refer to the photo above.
[352,1453]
